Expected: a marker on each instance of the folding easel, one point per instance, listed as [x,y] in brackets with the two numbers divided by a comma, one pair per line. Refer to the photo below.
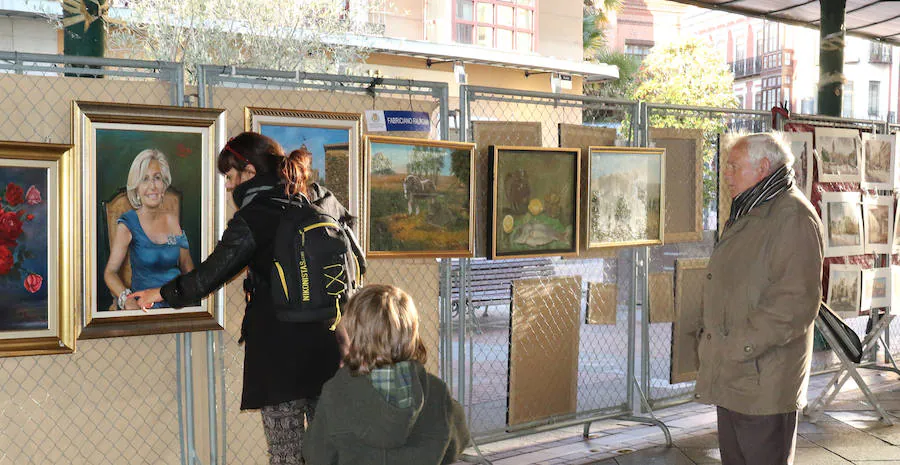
[850,369]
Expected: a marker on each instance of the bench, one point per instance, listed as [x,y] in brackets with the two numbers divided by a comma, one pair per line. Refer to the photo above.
[490,281]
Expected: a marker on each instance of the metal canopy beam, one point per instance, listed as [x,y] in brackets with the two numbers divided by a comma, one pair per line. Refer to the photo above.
[857,13]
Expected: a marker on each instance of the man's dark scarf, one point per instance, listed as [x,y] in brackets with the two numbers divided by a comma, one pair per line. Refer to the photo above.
[763,191]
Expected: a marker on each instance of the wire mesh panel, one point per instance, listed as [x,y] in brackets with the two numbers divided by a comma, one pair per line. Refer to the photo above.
[504,339]
[707,124]
[236,89]
[115,400]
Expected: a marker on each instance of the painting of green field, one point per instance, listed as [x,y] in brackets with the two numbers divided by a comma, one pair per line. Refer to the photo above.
[536,202]
[420,201]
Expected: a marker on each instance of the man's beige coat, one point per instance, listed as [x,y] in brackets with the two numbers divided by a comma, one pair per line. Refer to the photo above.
[760,298]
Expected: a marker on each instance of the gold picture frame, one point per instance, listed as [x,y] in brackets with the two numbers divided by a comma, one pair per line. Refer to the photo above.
[107,137]
[538,200]
[429,225]
[293,128]
[39,237]
[684,215]
[690,275]
[605,220]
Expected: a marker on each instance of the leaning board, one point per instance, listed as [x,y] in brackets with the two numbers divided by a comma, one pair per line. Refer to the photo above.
[543,353]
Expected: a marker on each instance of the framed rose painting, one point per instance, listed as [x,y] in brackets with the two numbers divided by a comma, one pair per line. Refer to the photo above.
[37,230]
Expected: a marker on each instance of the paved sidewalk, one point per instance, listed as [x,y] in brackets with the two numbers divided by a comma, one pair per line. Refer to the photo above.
[847,434]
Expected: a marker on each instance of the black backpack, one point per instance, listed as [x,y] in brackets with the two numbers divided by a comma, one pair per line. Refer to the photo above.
[317,263]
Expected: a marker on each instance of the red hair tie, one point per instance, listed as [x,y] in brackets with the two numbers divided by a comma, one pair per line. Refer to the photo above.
[236,154]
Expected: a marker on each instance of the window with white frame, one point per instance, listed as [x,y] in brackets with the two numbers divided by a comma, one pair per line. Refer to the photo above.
[847,100]
[505,25]
[874,96]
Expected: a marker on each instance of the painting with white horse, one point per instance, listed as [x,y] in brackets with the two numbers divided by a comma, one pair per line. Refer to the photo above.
[419,197]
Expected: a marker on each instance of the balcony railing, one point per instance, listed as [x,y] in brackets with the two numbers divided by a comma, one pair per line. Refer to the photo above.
[746,67]
[880,56]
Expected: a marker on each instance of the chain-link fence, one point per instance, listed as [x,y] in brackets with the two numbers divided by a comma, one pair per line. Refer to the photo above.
[545,340]
[523,343]
[684,131]
[268,92]
[115,400]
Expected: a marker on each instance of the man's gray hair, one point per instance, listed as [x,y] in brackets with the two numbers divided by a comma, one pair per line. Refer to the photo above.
[771,145]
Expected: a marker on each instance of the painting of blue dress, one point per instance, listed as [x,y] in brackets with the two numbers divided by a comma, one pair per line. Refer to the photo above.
[152,262]
[329,148]
[23,248]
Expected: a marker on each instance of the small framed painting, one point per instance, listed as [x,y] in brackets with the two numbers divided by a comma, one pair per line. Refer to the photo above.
[419,197]
[878,161]
[37,248]
[627,197]
[839,152]
[878,224]
[876,289]
[844,289]
[535,197]
[801,144]
[332,138]
[842,217]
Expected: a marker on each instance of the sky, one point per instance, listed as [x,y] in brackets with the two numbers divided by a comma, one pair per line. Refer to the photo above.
[399,156]
[292,137]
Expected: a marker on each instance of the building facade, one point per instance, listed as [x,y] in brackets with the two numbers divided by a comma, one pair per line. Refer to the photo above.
[775,63]
[497,41]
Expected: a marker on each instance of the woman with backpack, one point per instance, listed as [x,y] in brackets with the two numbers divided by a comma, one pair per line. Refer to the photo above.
[285,363]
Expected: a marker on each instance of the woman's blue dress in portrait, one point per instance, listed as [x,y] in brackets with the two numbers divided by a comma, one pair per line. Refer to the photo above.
[152,264]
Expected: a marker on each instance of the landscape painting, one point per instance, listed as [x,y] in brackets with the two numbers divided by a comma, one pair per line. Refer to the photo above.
[332,138]
[878,161]
[843,224]
[420,197]
[535,201]
[844,290]
[626,195]
[839,153]
[878,224]
[801,144]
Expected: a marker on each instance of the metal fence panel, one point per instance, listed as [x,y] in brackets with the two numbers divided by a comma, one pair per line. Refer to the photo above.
[655,358]
[234,89]
[115,400]
[603,373]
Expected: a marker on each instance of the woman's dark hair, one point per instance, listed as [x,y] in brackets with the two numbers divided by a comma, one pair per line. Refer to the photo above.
[268,158]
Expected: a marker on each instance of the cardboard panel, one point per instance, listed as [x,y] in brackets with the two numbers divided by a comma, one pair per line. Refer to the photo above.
[662,297]
[420,278]
[543,355]
[684,182]
[602,299]
[485,134]
[690,276]
[585,137]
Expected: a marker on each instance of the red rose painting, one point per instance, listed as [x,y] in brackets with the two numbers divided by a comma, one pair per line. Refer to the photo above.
[33,196]
[33,283]
[10,228]
[14,194]
[6,260]
[24,249]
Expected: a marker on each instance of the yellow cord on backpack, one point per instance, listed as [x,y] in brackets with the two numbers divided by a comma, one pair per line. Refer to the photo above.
[337,319]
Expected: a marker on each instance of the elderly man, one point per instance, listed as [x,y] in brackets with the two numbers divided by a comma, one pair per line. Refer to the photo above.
[761,296]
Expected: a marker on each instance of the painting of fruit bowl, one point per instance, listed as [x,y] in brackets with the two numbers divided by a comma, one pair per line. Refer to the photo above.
[535,201]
